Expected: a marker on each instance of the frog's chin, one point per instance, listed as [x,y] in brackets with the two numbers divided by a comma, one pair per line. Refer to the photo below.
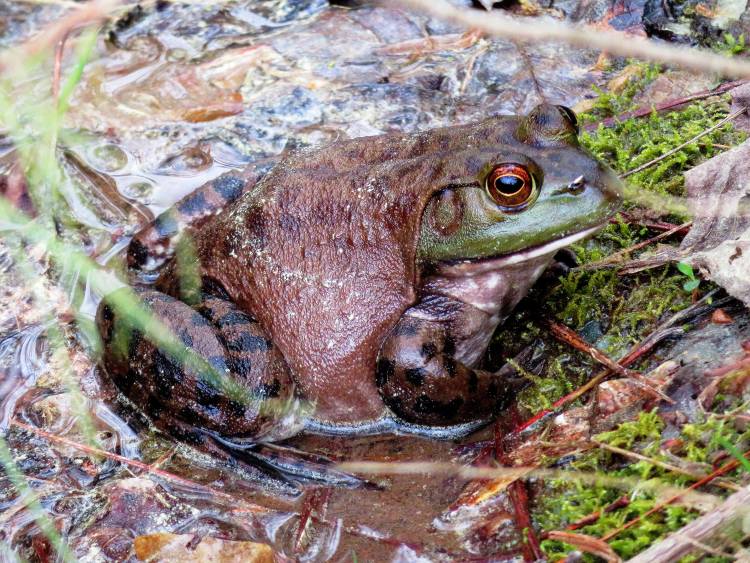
[530,254]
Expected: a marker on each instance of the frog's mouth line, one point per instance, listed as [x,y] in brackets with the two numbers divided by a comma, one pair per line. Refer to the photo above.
[472,267]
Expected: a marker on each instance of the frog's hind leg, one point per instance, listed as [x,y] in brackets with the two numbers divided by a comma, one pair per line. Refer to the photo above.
[205,413]
[155,243]
[210,385]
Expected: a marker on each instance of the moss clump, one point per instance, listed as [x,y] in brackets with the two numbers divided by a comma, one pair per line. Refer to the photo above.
[634,142]
[568,501]
[609,104]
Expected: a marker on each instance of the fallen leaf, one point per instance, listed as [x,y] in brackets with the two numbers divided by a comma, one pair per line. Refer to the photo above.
[721,317]
[181,547]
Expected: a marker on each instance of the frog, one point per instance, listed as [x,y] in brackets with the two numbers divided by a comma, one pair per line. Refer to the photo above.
[356,282]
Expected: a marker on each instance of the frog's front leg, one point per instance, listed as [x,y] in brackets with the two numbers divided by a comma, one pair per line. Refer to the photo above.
[425,370]
[155,243]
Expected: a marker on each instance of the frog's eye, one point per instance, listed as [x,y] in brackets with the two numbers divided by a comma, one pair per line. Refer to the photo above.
[570,115]
[511,186]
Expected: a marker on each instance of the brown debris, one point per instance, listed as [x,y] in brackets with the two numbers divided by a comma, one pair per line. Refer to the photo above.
[721,317]
[178,547]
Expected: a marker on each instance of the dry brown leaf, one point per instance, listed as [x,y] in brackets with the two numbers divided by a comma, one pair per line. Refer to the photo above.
[719,242]
[589,544]
[178,547]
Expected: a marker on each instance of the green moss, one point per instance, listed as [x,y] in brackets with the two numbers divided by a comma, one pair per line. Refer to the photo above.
[648,426]
[608,104]
[634,142]
[613,312]
[568,501]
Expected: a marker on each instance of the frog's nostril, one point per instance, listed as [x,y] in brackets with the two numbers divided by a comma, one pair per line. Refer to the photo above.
[577,185]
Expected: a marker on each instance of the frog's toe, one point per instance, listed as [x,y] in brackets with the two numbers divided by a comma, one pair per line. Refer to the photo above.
[295,465]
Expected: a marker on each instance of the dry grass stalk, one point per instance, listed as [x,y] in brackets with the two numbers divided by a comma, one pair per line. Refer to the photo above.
[586,36]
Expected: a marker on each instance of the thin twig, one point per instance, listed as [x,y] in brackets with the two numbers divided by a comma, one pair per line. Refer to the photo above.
[665,330]
[663,464]
[621,502]
[572,338]
[674,103]
[613,42]
[726,468]
[683,541]
[613,259]
[667,154]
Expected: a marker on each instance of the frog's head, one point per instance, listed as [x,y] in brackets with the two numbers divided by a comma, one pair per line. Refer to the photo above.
[523,193]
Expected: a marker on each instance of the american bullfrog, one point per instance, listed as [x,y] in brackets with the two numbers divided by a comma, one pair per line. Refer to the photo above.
[364,278]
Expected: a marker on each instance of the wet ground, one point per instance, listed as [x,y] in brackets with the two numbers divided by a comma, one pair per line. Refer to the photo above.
[175,96]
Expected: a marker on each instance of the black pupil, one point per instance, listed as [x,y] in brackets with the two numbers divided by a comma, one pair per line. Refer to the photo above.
[508,185]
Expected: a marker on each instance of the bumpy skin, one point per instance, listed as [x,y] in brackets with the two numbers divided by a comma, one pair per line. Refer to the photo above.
[324,257]
[229,340]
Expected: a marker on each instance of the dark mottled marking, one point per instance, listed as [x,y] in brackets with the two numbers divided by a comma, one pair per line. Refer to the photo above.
[249,343]
[167,375]
[415,376]
[198,320]
[384,371]
[233,318]
[138,254]
[211,287]
[449,346]
[185,338]
[188,414]
[234,409]
[242,366]
[269,391]
[447,410]
[473,382]
[450,365]
[193,204]
[428,351]
[229,187]
[154,406]
[166,225]
[206,394]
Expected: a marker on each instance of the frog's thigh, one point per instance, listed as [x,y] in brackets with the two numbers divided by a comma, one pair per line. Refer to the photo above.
[253,358]
[421,381]
[165,388]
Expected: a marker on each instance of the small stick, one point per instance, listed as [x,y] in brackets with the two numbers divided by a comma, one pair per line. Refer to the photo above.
[612,259]
[57,70]
[680,543]
[662,464]
[667,154]
[646,110]
[621,502]
[519,496]
[665,330]
[655,225]
[570,337]
[726,468]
